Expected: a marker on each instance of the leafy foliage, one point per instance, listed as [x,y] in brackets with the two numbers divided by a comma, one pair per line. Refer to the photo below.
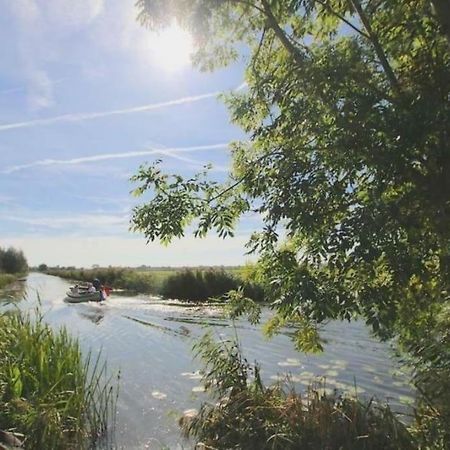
[347,113]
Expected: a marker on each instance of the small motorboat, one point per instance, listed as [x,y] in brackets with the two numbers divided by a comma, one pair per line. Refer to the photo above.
[83,293]
[80,297]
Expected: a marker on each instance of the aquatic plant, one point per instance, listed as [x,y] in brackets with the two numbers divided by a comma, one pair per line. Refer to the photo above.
[48,392]
[246,414]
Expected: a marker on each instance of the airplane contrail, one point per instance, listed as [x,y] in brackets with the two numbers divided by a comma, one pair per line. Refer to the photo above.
[171,152]
[78,117]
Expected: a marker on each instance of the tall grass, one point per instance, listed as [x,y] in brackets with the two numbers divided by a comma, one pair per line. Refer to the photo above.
[48,391]
[246,414]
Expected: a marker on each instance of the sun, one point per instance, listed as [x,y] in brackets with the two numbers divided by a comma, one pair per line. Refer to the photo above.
[171,47]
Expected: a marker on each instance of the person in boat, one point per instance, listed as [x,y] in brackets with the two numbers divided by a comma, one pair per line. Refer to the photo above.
[99,288]
[97,285]
[91,288]
[75,290]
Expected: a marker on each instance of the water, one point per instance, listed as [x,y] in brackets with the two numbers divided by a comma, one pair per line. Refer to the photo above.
[150,342]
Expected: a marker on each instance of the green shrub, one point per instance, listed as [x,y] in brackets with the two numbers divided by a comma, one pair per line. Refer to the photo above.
[5,279]
[48,392]
[201,285]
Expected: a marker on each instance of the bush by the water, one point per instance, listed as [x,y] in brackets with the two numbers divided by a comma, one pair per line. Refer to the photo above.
[201,285]
[246,414]
[116,277]
[48,393]
[12,261]
[5,279]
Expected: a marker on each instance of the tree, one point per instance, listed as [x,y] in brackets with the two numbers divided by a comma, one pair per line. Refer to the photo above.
[43,267]
[12,261]
[347,112]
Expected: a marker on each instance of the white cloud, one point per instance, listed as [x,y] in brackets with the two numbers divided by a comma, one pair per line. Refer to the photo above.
[5,199]
[122,251]
[71,14]
[40,90]
[170,152]
[83,221]
[41,26]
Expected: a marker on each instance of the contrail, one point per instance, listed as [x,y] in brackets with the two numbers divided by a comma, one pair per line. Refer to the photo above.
[78,117]
[107,156]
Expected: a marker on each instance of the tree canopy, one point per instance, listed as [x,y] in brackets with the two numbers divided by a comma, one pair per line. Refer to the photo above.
[347,161]
[348,156]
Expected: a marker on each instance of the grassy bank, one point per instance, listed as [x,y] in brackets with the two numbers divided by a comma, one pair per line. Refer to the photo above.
[48,393]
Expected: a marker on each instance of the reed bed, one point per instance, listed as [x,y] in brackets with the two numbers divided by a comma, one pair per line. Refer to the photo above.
[49,393]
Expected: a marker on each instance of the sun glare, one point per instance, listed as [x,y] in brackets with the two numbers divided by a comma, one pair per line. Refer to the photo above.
[171,47]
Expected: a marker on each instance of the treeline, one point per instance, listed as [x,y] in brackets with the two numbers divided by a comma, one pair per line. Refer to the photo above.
[12,261]
[193,285]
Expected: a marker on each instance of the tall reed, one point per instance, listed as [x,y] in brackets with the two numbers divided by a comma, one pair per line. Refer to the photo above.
[48,392]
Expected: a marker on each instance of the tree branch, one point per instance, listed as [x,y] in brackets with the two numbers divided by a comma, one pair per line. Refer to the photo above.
[247,175]
[341,17]
[274,25]
[377,46]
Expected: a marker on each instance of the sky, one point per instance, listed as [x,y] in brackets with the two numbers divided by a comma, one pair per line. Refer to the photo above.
[86,96]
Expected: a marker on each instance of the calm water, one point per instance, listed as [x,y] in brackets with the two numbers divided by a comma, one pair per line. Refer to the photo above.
[150,342]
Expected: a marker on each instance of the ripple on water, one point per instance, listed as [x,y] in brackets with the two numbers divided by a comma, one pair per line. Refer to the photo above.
[192,375]
[198,389]
[159,395]
[290,362]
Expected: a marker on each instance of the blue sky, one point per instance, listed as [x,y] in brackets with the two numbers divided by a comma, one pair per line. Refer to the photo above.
[86,96]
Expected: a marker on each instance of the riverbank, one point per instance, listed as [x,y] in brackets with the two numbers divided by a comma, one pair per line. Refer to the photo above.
[188,284]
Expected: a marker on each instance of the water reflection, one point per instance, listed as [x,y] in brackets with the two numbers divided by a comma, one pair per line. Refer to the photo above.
[150,341]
